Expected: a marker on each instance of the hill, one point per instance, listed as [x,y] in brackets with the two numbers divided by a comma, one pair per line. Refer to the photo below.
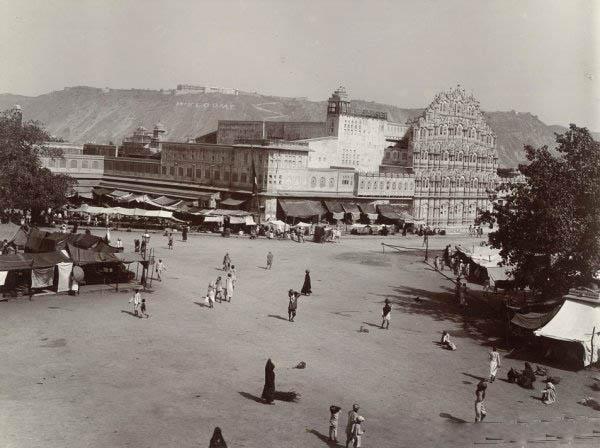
[87,114]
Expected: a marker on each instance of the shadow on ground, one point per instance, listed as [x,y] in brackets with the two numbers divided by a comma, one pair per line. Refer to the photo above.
[321,436]
[481,320]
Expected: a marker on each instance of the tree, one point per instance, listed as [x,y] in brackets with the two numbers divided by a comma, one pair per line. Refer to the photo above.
[549,226]
[24,183]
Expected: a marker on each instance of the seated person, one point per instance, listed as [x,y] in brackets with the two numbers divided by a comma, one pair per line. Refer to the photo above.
[549,393]
[527,377]
[446,342]
[513,375]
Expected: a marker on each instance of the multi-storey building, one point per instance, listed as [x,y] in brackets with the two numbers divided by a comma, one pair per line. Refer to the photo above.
[442,165]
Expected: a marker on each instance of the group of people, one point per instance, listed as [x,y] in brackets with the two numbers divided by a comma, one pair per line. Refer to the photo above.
[354,429]
[221,289]
[139,305]
[524,378]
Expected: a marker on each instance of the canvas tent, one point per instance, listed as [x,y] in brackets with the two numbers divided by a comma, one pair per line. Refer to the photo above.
[352,209]
[577,321]
[301,208]
[335,209]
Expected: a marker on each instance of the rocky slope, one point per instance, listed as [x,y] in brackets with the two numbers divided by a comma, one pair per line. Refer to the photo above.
[86,114]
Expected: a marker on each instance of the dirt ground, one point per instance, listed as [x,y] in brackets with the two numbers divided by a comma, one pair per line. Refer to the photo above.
[83,372]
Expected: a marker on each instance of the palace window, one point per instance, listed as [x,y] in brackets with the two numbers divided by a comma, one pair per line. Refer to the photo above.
[73,164]
[243,178]
[95,165]
[198,173]
[190,172]
[226,175]
[171,171]
[85,164]
[180,171]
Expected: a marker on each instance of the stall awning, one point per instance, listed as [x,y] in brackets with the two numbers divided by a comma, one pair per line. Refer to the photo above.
[352,209]
[533,321]
[101,191]
[237,220]
[498,273]
[213,219]
[367,208]
[15,262]
[166,201]
[302,208]
[230,202]
[129,257]
[333,207]
[83,256]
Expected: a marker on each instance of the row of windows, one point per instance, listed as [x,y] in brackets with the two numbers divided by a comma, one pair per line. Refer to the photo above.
[474,158]
[450,131]
[221,157]
[446,182]
[387,185]
[130,166]
[74,164]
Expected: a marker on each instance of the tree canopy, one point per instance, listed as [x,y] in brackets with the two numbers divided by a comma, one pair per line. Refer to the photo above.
[24,183]
[549,226]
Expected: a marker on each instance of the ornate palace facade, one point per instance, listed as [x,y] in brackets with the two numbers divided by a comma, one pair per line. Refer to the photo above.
[452,152]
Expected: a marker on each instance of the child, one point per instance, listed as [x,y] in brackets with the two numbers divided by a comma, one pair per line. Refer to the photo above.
[143,309]
[386,314]
[333,422]
[210,295]
[357,431]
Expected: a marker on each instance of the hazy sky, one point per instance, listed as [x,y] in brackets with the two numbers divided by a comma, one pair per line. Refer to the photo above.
[537,56]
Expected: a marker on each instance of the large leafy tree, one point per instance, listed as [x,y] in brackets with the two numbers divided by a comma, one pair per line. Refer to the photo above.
[549,226]
[24,183]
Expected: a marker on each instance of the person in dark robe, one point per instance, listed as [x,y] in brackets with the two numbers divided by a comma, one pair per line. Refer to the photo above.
[306,287]
[75,226]
[268,393]
[527,377]
[217,440]
[184,233]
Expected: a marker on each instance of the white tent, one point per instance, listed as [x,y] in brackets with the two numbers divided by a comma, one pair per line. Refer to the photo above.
[280,225]
[302,224]
[578,320]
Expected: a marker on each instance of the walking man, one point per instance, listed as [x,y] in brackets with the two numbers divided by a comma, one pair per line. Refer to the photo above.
[386,314]
[292,304]
[170,241]
[480,411]
[352,415]
[494,363]
[269,260]
[229,287]
[160,267]
[226,262]
[136,300]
